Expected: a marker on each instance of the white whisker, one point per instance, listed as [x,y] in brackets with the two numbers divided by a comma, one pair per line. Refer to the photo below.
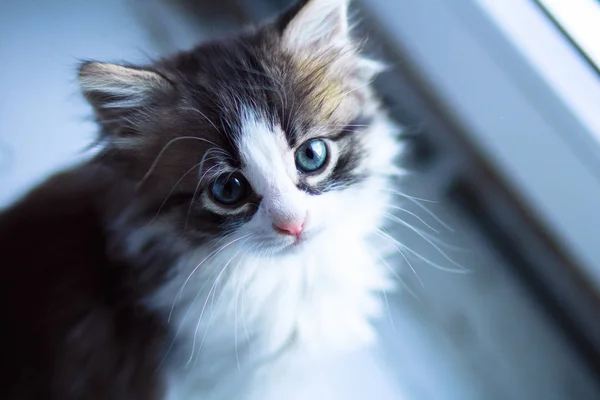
[235,318]
[387,306]
[171,192]
[431,237]
[409,226]
[215,252]
[214,290]
[398,277]
[397,246]
[189,211]
[162,151]
[409,196]
[202,115]
[414,215]
[417,201]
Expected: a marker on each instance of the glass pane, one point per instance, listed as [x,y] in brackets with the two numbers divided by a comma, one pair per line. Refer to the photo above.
[580,21]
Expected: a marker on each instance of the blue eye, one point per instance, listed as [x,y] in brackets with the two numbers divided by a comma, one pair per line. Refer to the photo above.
[311,156]
[229,189]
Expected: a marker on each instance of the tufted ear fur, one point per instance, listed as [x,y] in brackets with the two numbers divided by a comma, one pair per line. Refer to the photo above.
[316,24]
[121,95]
[115,86]
[319,26]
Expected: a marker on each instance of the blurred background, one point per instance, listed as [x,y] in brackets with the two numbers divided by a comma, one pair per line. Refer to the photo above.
[500,100]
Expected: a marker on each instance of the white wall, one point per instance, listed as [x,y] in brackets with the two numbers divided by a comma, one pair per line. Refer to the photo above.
[43,122]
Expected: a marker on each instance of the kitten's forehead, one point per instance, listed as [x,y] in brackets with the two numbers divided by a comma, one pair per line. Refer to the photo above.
[266,155]
[295,90]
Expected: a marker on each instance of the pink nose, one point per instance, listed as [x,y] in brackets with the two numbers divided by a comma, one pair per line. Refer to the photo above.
[292,228]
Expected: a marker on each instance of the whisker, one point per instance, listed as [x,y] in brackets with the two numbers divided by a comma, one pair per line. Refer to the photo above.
[190,307]
[384,292]
[244,279]
[389,312]
[414,215]
[431,237]
[435,265]
[201,289]
[398,277]
[417,201]
[162,151]
[235,318]
[192,351]
[181,324]
[202,115]
[215,252]
[409,226]
[397,246]
[245,326]
[189,211]
[431,263]
[171,192]
[409,196]
[347,92]
[214,290]
[346,126]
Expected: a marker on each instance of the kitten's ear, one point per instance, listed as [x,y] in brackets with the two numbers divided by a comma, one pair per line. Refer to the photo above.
[368,68]
[315,24]
[110,86]
[124,99]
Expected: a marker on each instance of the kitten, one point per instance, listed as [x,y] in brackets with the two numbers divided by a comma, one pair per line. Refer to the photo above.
[225,235]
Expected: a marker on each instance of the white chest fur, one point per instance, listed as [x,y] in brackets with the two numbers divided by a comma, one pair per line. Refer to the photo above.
[241,321]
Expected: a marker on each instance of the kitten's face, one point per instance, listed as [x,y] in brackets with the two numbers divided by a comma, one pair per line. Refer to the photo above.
[267,138]
[303,186]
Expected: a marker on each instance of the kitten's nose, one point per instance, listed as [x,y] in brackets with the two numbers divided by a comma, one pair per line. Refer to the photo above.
[289,228]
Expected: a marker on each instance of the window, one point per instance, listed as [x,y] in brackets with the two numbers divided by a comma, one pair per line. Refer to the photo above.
[580,20]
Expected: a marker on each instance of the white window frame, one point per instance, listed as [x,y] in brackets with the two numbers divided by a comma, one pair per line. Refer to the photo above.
[526,98]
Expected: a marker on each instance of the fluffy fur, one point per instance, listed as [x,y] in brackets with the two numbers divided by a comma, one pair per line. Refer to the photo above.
[224,305]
